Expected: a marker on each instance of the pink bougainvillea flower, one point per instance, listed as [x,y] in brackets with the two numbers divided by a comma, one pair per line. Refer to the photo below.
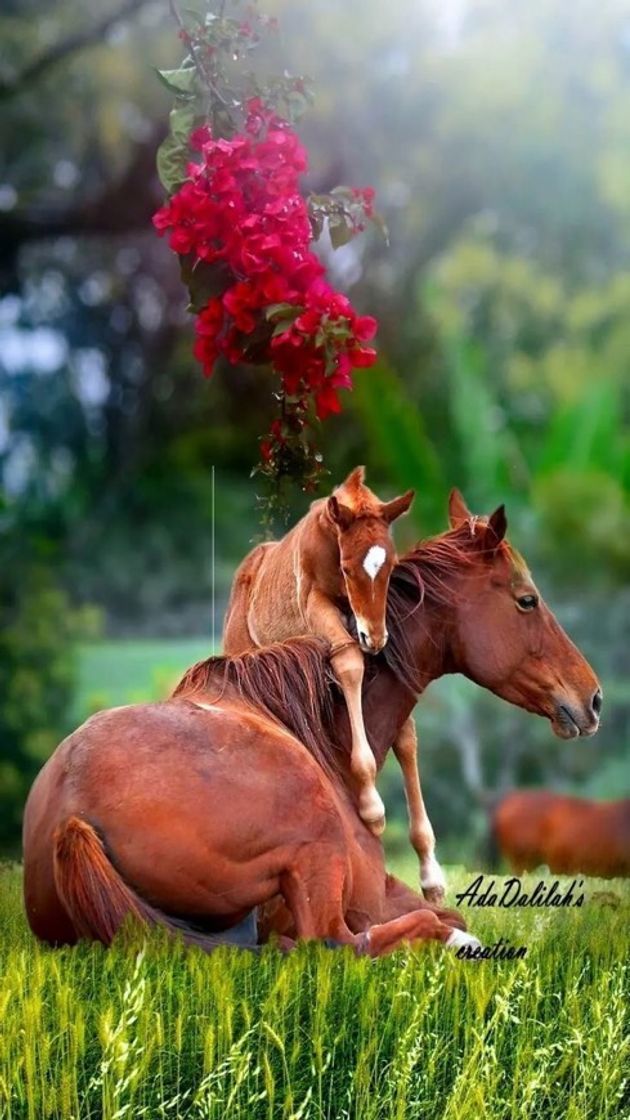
[242,206]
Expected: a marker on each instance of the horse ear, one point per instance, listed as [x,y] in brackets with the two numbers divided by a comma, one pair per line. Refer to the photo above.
[340,515]
[458,512]
[496,527]
[397,507]
[355,478]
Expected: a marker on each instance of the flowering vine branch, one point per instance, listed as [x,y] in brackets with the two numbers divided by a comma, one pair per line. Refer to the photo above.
[243,231]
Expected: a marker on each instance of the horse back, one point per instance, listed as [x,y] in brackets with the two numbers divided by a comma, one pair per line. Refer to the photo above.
[519,826]
[592,837]
[271,586]
[568,834]
[237,637]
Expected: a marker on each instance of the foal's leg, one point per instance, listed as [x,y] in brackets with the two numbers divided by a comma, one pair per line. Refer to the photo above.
[348,667]
[421,832]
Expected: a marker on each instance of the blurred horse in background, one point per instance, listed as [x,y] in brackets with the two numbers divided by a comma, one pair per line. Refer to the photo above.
[569,834]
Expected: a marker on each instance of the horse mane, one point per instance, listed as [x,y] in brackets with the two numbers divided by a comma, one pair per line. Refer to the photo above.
[291,682]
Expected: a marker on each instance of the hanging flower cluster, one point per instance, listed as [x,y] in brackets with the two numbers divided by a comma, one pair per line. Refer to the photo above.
[244,230]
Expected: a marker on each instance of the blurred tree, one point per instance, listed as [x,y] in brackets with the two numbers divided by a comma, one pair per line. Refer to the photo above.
[38,630]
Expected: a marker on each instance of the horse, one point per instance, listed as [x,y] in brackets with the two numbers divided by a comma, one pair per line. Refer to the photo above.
[236,792]
[570,835]
[341,550]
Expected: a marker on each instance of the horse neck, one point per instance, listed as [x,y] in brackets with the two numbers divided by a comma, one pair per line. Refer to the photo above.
[314,540]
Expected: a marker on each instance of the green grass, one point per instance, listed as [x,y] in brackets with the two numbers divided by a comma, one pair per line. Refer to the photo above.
[148,1029]
[130,672]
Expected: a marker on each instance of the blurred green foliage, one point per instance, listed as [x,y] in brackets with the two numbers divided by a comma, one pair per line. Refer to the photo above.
[497,135]
[38,631]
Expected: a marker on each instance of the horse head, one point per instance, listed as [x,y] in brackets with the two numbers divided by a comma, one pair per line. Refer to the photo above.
[366,551]
[505,637]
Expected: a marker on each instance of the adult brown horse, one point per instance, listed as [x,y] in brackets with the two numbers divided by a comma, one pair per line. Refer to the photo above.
[571,835]
[237,790]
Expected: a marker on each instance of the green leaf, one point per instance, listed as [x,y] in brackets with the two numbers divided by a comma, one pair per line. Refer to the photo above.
[282,326]
[317,224]
[183,81]
[286,310]
[181,122]
[203,280]
[297,104]
[171,164]
[340,232]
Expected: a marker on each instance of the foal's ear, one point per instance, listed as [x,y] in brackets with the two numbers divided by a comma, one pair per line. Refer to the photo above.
[458,512]
[340,515]
[397,507]
[496,528]
[355,478]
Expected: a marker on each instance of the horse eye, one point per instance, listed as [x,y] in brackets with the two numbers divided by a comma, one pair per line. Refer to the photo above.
[527,602]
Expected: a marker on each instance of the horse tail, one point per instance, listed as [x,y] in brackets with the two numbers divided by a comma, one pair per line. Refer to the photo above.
[98,899]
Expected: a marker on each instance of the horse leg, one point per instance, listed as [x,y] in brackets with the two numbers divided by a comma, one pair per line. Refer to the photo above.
[400,899]
[315,899]
[348,668]
[313,890]
[420,925]
[421,831]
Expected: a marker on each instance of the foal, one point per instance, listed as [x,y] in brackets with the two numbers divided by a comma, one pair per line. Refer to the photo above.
[341,553]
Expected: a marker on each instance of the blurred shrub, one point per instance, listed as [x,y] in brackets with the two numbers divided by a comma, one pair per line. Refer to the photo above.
[585,513]
[38,629]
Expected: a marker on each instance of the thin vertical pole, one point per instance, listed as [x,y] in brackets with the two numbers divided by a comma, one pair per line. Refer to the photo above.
[212,562]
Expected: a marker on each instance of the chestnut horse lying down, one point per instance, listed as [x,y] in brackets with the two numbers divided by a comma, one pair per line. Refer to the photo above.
[568,834]
[236,792]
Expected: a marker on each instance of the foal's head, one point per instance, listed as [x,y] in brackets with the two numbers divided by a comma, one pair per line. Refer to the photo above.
[366,552]
[506,638]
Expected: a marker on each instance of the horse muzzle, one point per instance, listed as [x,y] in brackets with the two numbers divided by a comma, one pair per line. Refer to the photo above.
[371,645]
[572,720]
[371,640]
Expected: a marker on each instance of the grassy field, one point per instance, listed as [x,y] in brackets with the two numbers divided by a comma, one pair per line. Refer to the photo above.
[129,672]
[148,1029]
[151,1030]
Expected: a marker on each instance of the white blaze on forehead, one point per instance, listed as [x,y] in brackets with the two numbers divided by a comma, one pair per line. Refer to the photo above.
[374,560]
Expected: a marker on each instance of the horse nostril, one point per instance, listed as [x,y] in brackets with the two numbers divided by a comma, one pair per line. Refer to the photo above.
[596,702]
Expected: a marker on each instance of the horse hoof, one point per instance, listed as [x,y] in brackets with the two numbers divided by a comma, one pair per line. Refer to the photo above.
[458,939]
[435,895]
[432,880]
[377,826]
[372,812]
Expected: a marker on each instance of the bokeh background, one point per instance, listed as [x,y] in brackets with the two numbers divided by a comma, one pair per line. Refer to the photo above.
[497,135]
